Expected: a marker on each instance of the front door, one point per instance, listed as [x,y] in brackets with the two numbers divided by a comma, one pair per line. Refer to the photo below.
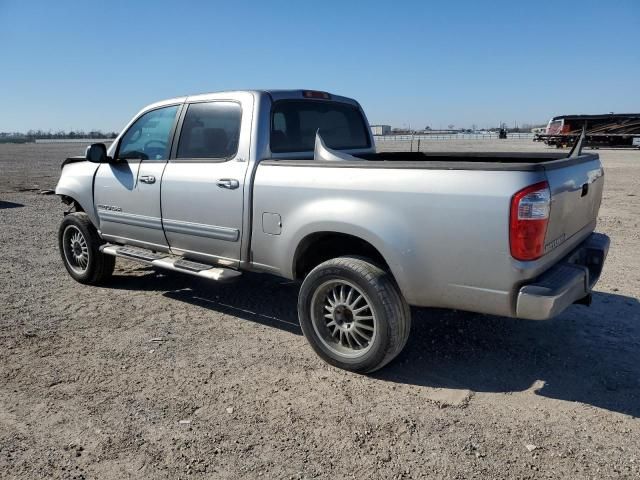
[127,191]
[203,183]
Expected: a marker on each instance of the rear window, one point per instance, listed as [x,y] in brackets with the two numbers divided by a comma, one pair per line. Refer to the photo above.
[294,125]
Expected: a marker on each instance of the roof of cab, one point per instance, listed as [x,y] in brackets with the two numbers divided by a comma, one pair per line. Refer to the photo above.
[273,94]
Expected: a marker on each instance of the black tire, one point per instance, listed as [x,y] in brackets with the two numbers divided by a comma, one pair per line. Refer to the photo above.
[81,255]
[325,307]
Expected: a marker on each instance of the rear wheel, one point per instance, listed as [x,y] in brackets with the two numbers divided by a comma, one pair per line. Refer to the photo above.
[353,314]
[79,245]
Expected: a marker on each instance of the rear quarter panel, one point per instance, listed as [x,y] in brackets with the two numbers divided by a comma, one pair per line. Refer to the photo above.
[444,233]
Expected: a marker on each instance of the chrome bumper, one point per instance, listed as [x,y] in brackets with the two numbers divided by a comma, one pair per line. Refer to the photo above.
[567,282]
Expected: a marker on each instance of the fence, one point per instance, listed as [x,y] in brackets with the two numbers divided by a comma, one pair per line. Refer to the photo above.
[450,136]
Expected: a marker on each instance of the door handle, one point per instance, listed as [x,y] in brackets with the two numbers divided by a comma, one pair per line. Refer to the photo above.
[148,179]
[230,183]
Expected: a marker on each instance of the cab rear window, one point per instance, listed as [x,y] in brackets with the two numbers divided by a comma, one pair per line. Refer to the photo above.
[294,124]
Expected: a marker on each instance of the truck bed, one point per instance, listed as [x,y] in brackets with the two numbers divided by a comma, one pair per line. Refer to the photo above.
[446,213]
[499,157]
[502,161]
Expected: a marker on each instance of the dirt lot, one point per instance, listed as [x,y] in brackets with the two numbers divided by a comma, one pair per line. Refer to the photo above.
[159,376]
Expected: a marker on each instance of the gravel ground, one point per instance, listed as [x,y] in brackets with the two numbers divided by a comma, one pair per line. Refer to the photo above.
[167,376]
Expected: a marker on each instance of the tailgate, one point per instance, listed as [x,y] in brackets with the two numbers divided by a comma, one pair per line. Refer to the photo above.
[576,191]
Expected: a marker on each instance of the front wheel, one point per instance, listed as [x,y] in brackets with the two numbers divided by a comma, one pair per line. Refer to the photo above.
[79,245]
[353,314]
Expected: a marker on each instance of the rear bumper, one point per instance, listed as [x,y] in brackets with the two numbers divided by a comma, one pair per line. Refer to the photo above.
[567,282]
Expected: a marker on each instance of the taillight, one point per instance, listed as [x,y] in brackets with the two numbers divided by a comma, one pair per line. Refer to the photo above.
[528,221]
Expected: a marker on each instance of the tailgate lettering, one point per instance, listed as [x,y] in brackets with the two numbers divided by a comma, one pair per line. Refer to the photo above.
[554,243]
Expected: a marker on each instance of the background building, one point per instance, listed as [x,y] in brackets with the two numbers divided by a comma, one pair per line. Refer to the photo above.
[380,129]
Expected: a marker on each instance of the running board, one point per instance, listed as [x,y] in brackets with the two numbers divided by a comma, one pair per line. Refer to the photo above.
[171,262]
[139,254]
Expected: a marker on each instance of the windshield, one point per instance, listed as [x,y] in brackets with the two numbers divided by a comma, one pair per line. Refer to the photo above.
[294,124]
[555,126]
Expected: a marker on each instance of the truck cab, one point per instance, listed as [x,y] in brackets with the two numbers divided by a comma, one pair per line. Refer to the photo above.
[194,157]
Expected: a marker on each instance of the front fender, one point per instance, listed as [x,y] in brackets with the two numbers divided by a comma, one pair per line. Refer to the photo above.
[76,181]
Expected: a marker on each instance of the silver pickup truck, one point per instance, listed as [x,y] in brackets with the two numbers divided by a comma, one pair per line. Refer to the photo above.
[289,183]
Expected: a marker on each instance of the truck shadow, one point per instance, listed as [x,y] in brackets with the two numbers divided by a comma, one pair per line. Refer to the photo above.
[5,205]
[589,355]
[263,299]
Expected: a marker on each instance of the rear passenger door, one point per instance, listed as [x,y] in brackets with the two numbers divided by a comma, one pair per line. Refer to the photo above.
[204,181]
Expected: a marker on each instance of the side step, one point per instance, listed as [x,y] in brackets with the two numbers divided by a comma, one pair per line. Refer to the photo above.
[190,265]
[171,262]
[139,254]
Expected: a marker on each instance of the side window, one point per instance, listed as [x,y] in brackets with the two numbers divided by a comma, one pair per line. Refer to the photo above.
[210,130]
[148,138]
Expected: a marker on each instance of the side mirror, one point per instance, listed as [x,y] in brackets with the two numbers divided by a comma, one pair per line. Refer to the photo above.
[97,153]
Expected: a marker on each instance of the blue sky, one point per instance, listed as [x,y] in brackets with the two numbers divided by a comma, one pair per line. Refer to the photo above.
[89,64]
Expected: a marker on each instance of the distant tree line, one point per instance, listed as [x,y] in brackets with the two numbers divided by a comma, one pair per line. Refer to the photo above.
[32,135]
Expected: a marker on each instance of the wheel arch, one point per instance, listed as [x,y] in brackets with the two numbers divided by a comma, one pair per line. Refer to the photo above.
[80,206]
[69,200]
[318,247]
